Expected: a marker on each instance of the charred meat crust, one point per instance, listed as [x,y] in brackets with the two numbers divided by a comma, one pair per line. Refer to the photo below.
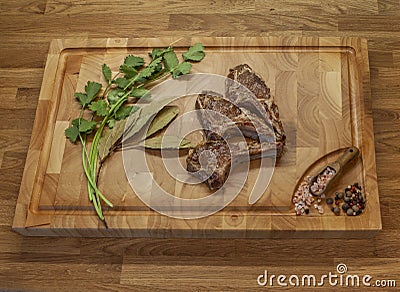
[223,157]
[226,156]
[252,126]
[245,75]
[238,111]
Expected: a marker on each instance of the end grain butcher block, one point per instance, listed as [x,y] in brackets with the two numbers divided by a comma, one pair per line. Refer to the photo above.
[321,86]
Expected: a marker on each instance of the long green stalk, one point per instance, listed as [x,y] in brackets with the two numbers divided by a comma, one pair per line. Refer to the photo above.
[90,161]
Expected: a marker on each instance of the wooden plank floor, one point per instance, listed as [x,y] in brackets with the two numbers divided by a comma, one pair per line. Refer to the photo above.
[78,264]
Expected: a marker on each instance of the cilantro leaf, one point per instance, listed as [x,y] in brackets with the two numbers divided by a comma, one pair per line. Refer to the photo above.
[84,100]
[114,94]
[72,133]
[170,60]
[133,61]
[92,89]
[111,123]
[123,112]
[155,53]
[158,68]
[106,72]
[158,52]
[166,50]
[181,69]
[129,71]
[140,92]
[86,126]
[75,123]
[99,107]
[121,82]
[146,72]
[150,69]
[195,53]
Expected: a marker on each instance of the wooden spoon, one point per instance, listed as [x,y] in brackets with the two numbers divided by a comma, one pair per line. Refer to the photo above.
[337,167]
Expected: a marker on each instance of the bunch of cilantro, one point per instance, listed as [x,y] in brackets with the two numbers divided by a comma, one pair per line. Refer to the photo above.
[107,106]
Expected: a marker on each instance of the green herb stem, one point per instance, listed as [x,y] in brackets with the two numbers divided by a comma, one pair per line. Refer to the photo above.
[134,79]
[93,191]
[109,85]
[93,152]
[85,158]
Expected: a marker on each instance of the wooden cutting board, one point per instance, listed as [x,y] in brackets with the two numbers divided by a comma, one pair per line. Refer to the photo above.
[321,86]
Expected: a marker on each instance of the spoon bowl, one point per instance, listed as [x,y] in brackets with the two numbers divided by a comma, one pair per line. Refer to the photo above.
[328,174]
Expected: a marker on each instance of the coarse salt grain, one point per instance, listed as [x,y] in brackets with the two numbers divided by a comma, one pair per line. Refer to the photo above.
[322,180]
[302,197]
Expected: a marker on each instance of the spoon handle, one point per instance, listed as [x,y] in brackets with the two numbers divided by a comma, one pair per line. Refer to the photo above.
[348,156]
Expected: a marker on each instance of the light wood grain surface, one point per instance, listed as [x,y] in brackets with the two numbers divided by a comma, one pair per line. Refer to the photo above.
[321,85]
[48,264]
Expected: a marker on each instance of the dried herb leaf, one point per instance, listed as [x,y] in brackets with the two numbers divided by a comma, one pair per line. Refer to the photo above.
[141,117]
[162,119]
[109,138]
[168,142]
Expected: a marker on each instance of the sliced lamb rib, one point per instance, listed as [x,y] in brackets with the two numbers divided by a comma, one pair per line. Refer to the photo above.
[245,75]
[242,118]
[211,160]
[214,154]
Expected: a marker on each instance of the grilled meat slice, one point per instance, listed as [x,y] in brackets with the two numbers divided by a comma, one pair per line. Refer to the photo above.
[211,161]
[245,75]
[247,122]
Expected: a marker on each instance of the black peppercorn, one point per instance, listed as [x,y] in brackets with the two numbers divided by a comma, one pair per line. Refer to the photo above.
[336,210]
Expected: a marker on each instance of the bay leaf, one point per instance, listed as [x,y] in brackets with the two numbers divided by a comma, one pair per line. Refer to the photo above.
[140,118]
[109,138]
[162,119]
[167,142]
